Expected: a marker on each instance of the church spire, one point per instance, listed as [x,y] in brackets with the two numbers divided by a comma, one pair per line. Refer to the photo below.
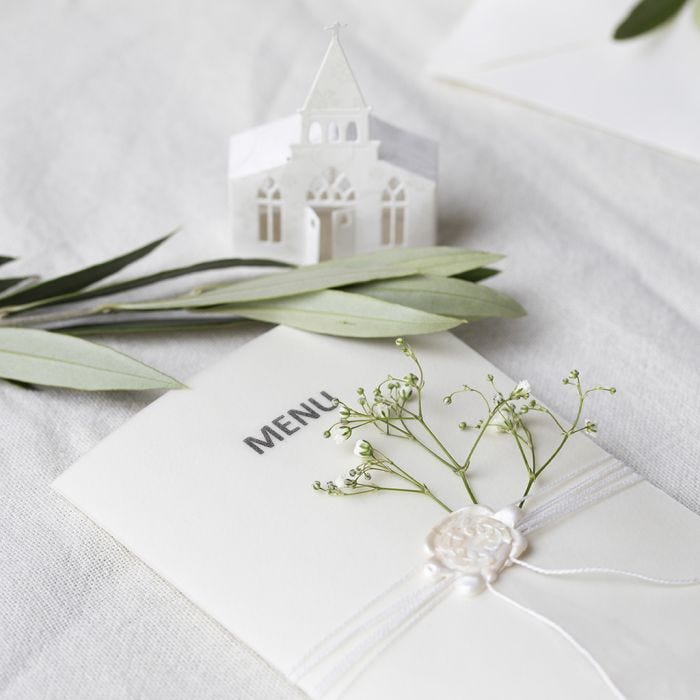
[334,87]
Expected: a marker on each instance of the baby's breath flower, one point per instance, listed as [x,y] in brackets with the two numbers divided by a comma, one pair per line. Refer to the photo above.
[500,424]
[381,410]
[405,391]
[341,433]
[524,386]
[386,408]
[363,449]
[522,390]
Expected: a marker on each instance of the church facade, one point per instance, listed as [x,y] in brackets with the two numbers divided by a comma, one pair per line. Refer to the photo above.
[331,180]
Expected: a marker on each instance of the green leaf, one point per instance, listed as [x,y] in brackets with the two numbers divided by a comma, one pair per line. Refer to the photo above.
[396,262]
[645,16]
[20,385]
[5,259]
[144,281]
[137,326]
[10,282]
[478,274]
[76,281]
[341,313]
[42,357]
[696,12]
[446,296]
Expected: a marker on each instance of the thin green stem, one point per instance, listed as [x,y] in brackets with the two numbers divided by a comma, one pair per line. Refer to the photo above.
[424,491]
[476,442]
[468,488]
[567,434]
[40,319]
[452,463]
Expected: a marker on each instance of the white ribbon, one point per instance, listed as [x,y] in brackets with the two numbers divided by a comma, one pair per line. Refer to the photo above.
[470,548]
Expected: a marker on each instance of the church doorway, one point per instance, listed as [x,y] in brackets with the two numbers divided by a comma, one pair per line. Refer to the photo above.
[331,215]
[332,231]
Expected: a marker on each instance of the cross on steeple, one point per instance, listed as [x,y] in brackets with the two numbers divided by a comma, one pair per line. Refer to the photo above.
[334,110]
[335,28]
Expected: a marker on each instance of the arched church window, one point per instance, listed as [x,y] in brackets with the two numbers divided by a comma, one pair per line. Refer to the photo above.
[330,187]
[393,213]
[351,132]
[269,212]
[315,133]
[333,132]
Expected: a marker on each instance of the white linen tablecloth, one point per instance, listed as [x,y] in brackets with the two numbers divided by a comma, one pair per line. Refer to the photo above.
[114,128]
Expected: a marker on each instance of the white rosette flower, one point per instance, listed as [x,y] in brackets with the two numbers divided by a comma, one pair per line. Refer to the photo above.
[476,544]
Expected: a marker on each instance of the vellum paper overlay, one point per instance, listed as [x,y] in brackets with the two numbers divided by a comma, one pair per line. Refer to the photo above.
[212,488]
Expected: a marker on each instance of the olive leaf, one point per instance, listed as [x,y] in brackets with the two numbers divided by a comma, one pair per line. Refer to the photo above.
[9,282]
[478,274]
[443,295]
[342,313]
[41,357]
[5,259]
[75,281]
[645,16]
[153,325]
[146,280]
[397,262]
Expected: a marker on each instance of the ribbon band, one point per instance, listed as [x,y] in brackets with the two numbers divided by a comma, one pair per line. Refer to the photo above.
[360,638]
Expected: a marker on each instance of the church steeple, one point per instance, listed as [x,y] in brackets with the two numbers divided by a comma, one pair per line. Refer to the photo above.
[335,110]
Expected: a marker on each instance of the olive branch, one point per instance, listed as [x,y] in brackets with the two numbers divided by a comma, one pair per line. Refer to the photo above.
[379,294]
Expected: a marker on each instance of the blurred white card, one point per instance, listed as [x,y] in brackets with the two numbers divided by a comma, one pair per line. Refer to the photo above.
[235,525]
[558,55]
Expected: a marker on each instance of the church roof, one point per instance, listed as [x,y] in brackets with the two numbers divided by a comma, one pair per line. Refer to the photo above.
[334,87]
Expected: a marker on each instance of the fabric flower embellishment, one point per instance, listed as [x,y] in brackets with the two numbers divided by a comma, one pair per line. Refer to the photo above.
[475,544]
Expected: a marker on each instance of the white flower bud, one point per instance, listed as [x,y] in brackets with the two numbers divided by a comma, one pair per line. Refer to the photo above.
[405,391]
[363,449]
[341,433]
[522,390]
[380,410]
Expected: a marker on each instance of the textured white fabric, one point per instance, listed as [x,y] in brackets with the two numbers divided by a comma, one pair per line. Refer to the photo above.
[115,120]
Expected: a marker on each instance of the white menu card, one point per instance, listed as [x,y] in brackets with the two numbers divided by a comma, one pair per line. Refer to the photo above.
[211,487]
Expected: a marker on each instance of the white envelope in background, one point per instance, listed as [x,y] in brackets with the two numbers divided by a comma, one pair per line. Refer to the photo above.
[246,538]
[558,55]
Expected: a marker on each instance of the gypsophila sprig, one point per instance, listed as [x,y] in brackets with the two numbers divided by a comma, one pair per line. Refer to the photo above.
[395,408]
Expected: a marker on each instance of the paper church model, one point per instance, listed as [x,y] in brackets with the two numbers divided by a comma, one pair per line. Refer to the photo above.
[331,180]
